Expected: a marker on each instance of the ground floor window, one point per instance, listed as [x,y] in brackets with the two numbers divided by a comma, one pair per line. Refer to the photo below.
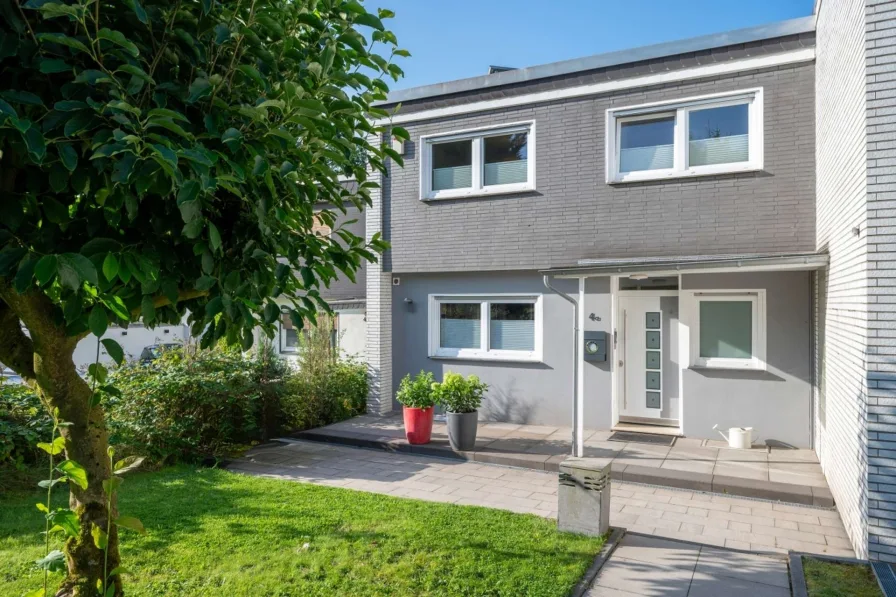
[504,327]
[728,329]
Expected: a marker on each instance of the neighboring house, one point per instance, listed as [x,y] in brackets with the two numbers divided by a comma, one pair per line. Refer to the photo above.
[345,297]
[721,209]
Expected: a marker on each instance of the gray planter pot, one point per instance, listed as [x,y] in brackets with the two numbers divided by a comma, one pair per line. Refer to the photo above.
[462,430]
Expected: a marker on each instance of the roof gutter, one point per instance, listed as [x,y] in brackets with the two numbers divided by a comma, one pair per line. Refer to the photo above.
[600,267]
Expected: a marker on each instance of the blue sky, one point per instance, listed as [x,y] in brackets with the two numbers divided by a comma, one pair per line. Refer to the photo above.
[454,39]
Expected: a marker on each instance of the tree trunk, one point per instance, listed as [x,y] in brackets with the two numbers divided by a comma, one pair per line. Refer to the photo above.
[86,442]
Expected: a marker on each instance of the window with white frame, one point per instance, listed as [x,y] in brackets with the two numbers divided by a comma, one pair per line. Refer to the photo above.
[501,327]
[728,329]
[478,162]
[698,136]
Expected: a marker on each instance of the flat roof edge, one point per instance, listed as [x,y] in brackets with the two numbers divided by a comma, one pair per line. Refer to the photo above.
[801,261]
[651,52]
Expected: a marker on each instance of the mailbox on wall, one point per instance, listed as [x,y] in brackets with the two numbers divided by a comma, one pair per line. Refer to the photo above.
[595,348]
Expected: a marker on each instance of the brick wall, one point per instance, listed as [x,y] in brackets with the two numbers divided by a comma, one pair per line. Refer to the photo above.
[378,351]
[574,214]
[841,309]
[880,101]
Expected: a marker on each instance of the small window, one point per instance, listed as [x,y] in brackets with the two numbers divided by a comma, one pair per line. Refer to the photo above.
[289,337]
[700,136]
[481,162]
[485,328]
[729,329]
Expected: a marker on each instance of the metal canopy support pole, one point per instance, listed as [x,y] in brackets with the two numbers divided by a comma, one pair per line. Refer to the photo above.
[577,439]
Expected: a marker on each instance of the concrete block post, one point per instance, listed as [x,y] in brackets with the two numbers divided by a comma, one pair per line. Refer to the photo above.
[583,497]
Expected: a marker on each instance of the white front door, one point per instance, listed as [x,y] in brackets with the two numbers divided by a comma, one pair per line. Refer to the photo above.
[640,356]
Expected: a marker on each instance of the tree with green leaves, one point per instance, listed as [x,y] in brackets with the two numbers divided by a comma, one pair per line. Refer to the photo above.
[163,158]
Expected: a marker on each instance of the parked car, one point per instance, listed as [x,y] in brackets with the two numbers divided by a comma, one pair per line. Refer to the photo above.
[153,351]
[7,375]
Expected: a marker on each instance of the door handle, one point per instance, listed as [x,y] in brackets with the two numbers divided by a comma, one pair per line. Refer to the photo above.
[620,363]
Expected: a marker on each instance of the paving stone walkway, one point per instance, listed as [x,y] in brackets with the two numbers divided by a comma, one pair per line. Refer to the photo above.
[767,471]
[643,565]
[708,519]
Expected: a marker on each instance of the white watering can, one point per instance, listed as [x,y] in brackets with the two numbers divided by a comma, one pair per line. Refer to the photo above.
[739,438]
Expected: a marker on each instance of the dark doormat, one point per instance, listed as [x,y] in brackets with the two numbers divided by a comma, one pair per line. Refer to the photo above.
[642,438]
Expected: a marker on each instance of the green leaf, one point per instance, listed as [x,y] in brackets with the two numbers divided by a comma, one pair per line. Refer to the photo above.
[98,371]
[136,72]
[46,483]
[128,464]
[168,124]
[110,266]
[232,138]
[98,321]
[260,166]
[113,483]
[69,106]
[74,472]
[138,10]
[208,262]
[54,65]
[51,10]
[64,40]
[117,306]
[59,178]
[74,269]
[68,155]
[271,312]
[36,144]
[114,349]
[54,448]
[194,228]
[55,211]
[66,520]
[118,38]
[214,236]
[369,20]
[204,283]
[25,274]
[188,192]
[199,88]
[165,113]
[148,309]
[21,97]
[100,538]
[129,522]
[222,33]
[45,269]
[53,561]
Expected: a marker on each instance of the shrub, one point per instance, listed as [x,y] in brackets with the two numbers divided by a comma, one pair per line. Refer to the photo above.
[458,394]
[323,389]
[416,392]
[23,422]
[188,403]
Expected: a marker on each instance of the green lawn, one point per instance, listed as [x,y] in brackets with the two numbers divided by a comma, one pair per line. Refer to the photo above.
[830,579]
[211,532]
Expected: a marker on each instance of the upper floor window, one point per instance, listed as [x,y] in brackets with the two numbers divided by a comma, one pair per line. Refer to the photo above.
[699,136]
[478,162]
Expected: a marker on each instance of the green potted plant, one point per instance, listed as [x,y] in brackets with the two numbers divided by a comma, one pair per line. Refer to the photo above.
[460,397]
[416,396]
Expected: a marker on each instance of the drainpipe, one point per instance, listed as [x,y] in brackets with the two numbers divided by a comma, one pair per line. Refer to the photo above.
[577,441]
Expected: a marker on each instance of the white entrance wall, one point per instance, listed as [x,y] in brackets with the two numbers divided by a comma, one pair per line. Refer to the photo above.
[353,332]
[132,340]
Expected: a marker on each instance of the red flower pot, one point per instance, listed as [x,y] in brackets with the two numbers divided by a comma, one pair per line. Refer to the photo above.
[418,424]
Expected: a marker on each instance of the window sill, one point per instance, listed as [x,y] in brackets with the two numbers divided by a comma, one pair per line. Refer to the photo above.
[712,171]
[478,193]
[488,358]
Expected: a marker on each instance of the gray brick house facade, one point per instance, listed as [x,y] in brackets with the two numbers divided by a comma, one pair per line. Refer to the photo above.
[738,274]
